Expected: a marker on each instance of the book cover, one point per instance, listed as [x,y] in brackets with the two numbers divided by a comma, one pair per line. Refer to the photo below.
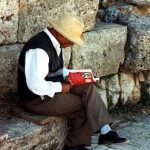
[78,77]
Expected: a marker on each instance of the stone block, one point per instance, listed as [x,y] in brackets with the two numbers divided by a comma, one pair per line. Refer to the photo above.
[33,14]
[103,51]
[67,56]
[130,13]
[103,91]
[113,89]
[124,88]
[8,21]
[138,55]
[124,13]
[8,67]
[145,89]
[109,90]
[107,3]
[139,2]
[130,89]
[18,134]
[138,21]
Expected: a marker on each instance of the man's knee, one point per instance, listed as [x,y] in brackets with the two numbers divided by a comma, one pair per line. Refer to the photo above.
[91,86]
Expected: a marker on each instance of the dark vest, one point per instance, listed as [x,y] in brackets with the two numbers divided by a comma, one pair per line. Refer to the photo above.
[42,41]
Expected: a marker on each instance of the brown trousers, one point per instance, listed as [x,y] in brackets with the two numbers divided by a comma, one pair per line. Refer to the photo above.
[83,107]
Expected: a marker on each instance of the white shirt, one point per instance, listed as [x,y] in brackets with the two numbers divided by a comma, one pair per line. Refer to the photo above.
[37,68]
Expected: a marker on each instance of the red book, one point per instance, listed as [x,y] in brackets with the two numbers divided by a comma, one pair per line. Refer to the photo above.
[78,77]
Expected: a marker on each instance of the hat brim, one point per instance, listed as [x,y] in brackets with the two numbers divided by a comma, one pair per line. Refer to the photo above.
[77,40]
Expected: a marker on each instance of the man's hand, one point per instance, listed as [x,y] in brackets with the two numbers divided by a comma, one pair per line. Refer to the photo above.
[69,80]
[66,87]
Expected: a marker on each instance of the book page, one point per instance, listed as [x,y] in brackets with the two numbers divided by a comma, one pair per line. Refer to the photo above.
[81,70]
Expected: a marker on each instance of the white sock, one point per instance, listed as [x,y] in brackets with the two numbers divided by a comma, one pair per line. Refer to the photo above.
[105,129]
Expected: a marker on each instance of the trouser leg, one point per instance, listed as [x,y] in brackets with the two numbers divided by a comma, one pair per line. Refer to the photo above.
[65,105]
[79,130]
[97,113]
[83,107]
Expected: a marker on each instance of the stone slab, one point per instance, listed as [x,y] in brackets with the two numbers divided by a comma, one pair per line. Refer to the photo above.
[137,20]
[130,89]
[103,51]
[145,88]
[33,14]
[8,21]
[114,89]
[8,67]
[139,2]
[123,13]
[17,134]
[138,53]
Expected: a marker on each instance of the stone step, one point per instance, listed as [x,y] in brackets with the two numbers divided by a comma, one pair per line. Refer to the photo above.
[137,19]
[103,51]
[18,134]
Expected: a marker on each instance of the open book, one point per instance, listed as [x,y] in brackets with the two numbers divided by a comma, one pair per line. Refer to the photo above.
[78,77]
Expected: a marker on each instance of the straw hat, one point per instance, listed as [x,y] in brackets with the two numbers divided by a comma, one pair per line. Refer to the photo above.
[71,27]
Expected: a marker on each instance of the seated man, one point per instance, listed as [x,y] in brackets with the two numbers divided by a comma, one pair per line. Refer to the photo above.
[44,91]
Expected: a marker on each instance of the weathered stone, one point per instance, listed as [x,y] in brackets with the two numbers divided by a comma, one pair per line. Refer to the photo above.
[67,56]
[145,92]
[8,21]
[17,134]
[139,2]
[127,85]
[107,3]
[33,14]
[87,9]
[129,13]
[113,89]
[100,14]
[123,13]
[137,90]
[145,89]
[111,14]
[138,56]
[8,67]
[137,53]
[141,77]
[102,91]
[130,90]
[103,51]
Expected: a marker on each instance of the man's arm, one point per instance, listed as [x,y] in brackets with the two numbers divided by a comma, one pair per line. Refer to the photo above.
[36,69]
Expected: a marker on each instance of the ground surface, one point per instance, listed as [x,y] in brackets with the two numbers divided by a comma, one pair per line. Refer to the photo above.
[135,126]
[132,123]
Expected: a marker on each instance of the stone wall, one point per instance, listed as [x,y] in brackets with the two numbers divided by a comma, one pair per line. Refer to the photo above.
[19,20]
[117,49]
[135,15]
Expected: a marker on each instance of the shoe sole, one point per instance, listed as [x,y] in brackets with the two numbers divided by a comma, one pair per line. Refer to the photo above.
[109,143]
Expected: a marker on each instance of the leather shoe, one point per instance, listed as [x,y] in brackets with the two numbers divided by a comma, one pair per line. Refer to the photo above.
[78,147]
[111,137]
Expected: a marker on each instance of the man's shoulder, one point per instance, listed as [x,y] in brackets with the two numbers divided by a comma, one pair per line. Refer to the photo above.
[37,36]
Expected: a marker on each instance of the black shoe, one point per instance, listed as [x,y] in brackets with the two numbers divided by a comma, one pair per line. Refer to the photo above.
[71,147]
[110,138]
[79,147]
[82,147]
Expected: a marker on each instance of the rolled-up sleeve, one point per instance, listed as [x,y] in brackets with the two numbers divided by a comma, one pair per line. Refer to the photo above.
[36,69]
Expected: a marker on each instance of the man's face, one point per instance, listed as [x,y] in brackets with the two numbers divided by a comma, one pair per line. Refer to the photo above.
[65,42]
